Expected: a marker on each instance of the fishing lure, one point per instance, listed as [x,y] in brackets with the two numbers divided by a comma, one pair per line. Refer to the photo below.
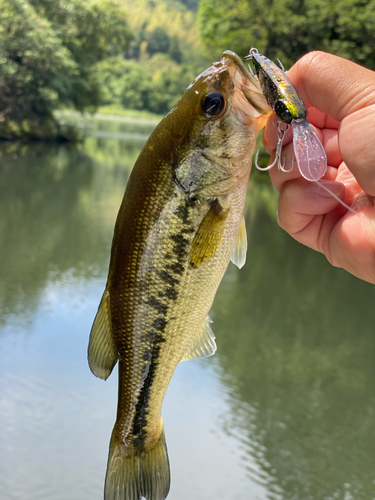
[290,109]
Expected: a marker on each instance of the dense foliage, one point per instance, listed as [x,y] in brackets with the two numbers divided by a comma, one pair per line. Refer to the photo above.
[48,55]
[155,86]
[86,53]
[142,54]
[288,29]
[164,56]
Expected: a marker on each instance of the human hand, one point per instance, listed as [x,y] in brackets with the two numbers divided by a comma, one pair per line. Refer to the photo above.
[340,97]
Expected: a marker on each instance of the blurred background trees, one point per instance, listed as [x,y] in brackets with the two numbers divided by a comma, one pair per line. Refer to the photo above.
[48,55]
[288,29]
[142,54]
[164,56]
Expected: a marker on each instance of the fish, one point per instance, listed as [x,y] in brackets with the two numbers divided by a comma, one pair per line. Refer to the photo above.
[179,225]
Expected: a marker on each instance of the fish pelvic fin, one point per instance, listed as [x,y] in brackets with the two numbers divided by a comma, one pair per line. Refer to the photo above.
[134,474]
[239,253]
[102,354]
[204,344]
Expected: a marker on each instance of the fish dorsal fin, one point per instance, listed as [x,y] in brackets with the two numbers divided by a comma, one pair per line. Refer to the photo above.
[239,252]
[209,235]
[102,353]
[204,344]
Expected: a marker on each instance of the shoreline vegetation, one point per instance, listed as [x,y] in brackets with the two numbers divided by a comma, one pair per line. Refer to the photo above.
[114,57]
[111,113]
[69,132]
[103,56]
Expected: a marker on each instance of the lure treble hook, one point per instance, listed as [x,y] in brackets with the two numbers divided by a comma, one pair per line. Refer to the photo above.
[281,133]
[281,166]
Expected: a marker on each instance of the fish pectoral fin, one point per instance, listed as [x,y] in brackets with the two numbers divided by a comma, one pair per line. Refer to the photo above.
[239,252]
[102,353]
[209,235]
[204,344]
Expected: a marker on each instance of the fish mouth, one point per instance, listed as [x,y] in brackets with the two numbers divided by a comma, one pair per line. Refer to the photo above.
[246,82]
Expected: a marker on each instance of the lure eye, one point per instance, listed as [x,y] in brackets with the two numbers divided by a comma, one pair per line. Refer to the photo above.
[213,103]
[283,112]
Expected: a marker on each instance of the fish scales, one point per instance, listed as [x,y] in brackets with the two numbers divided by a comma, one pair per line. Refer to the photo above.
[174,236]
[166,291]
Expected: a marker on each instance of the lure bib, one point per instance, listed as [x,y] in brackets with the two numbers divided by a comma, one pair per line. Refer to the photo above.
[310,154]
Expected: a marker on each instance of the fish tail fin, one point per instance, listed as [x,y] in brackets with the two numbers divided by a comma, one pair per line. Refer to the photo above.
[133,474]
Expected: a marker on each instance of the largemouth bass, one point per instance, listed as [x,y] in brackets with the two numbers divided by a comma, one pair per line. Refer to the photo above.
[179,223]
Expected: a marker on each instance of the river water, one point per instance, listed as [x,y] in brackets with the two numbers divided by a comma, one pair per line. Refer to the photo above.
[284,410]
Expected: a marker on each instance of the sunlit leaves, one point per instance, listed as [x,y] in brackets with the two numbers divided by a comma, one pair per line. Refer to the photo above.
[155,85]
[288,29]
[48,52]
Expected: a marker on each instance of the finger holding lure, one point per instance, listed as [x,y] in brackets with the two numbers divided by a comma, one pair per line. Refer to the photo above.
[290,109]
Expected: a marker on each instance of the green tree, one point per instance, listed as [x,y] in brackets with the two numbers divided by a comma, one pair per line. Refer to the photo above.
[288,29]
[155,85]
[157,41]
[35,69]
[49,50]
[124,82]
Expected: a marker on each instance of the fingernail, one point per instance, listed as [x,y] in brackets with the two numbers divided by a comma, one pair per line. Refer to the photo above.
[329,188]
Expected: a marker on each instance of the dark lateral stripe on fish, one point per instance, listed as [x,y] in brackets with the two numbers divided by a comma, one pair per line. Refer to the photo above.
[140,420]
[183,211]
[168,278]
[180,244]
[176,268]
[156,334]
[158,305]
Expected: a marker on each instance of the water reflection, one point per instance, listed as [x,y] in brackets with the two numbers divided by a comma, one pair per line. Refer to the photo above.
[296,351]
[289,412]
[57,211]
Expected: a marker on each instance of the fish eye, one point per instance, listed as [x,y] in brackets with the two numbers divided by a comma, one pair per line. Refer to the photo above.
[213,103]
[283,112]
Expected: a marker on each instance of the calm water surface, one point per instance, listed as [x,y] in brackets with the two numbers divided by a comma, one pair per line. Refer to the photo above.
[284,410]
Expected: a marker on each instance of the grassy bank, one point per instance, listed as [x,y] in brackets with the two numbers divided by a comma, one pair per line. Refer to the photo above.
[128,113]
[113,113]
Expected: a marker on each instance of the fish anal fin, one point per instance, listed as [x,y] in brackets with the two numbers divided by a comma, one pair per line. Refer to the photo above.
[239,253]
[203,345]
[102,353]
[209,235]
